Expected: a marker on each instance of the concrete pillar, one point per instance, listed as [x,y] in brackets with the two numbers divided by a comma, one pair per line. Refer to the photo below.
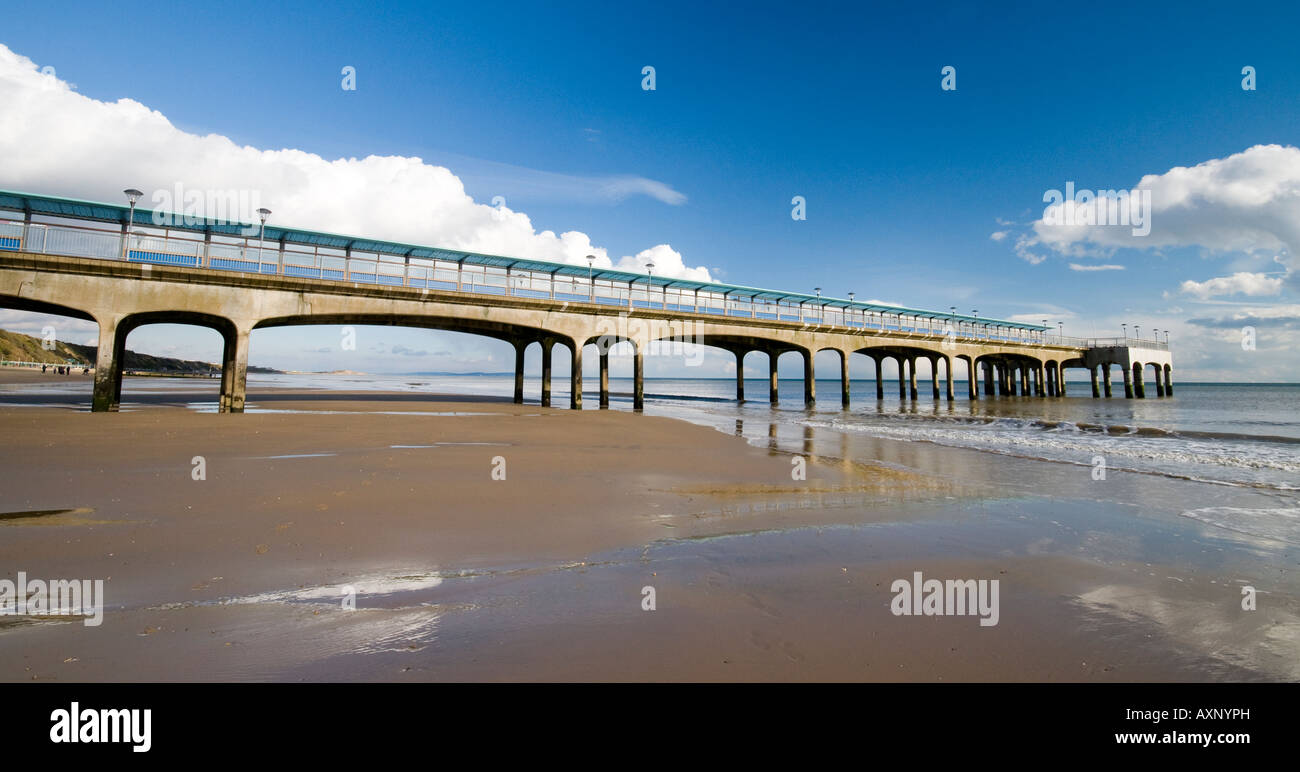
[989,379]
[1169,382]
[902,377]
[947,369]
[520,346]
[772,395]
[972,379]
[740,376]
[1060,380]
[575,378]
[547,343]
[809,383]
[1092,376]
[1039,389]
[911,377]
[1160,383]
[1051,381]
[934,377]
[1139,387]
[106,369]
[234,373]
[119,363]
[1128,383]
[1105,378]
[880,377]
[604,377]
[844,378]
[638,379]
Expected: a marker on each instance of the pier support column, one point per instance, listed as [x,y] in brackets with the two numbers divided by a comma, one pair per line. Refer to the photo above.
[1160,383]
[1169,384]
[911,377]
[772,394]
[520,346]
[1039,388]
[972,379]
[575,378]
[234,372]
[1139,386]
[1128,383]
[638,379]
[1060,381]
[547,343]
[989,384]
[934,377]
[604,377]
[119,363]
[740,376]
[880,377]
[1051,382]
[1024,381]
[1105,378]
[107,372]
[844,379]
[902,377]
[947,369]
[1092,376]
[809,384]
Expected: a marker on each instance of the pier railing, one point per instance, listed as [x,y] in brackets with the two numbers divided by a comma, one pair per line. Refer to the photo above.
[162,246]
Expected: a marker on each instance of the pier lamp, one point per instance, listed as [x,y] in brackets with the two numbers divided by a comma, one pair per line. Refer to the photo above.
[650,281]
[1137,332]
[263,213]
[1124,327]
[591,261]
[132,195]
[1060,329]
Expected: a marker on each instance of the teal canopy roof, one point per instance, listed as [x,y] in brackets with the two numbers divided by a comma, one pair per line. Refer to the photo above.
[53,206]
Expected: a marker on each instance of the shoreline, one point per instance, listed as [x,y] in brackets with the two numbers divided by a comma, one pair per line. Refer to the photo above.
[539,576]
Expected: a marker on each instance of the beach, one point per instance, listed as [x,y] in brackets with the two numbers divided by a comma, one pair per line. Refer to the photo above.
[477,539]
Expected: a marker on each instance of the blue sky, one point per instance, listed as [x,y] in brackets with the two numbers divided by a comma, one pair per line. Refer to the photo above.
[838,103]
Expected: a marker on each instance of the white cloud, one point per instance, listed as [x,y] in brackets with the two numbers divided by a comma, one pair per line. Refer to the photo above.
[667,262]
[1253,284]
[1246,202]
[1099,267]
[56,141]
[998,235]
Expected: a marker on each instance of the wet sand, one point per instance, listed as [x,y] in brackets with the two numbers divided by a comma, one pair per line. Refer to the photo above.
[540,576]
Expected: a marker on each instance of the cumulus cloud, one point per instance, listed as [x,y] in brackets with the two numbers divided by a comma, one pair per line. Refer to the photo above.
[59,142]
[1240,283]
[998,235]
[1247,202]
[1283,316]
[1098,267]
